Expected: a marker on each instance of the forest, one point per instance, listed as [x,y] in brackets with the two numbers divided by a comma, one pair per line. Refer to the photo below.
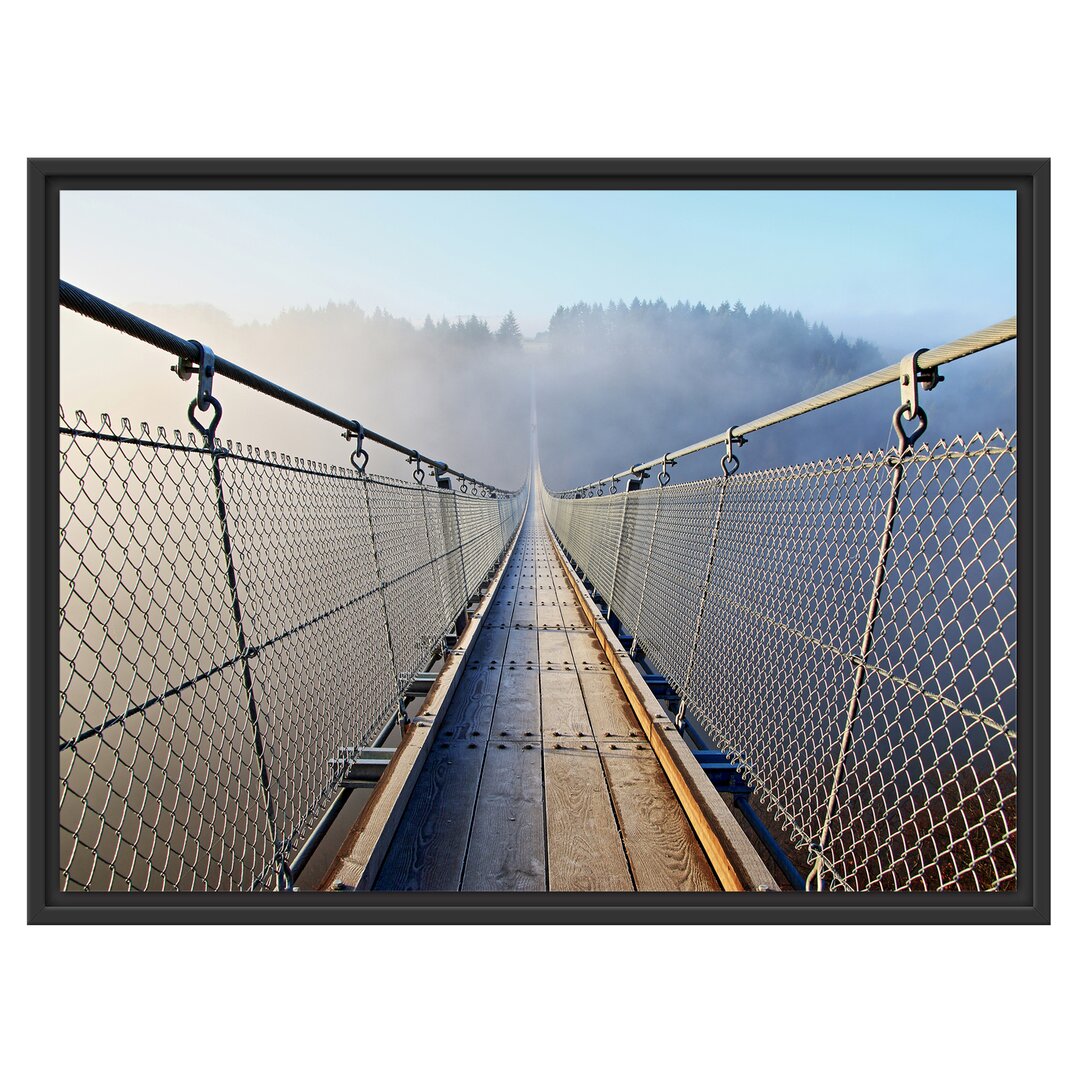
[615,383]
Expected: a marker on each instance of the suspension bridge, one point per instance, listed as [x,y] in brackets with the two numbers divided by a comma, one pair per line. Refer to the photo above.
[280,674]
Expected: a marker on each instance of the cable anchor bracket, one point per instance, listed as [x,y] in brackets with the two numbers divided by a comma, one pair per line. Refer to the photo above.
[359,457]
[185,367]
[664,476]
[638,474]
[729,461]
[414,458]
[911,378]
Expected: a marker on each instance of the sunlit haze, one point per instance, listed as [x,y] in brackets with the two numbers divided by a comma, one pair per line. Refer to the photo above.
[900,269]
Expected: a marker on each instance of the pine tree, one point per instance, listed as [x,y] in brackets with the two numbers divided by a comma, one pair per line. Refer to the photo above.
[508,332]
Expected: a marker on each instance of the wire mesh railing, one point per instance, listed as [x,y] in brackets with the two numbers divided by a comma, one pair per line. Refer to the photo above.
[235,626]
[845,630]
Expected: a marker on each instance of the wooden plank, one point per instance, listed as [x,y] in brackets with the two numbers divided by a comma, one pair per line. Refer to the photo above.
[375,826]
[491,642]
[428,849]
[517,706]
[521,649]
[587,651]
[560,581]
[584,849]
[733,857]
[360,858]
[555,649]
[469,715]
[548,613]
[610,713]
[660,844]
[562,708]
[507,848]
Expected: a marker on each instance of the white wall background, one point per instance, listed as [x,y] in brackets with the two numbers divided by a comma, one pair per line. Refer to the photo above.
[564,78]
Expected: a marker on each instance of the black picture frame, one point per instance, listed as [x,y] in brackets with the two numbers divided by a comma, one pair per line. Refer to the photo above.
[1028,177]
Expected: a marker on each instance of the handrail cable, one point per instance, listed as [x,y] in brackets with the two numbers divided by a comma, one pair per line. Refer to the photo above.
[93,307]
[929,360]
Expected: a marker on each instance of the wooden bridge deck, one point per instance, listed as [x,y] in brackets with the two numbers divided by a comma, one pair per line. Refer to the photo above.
[540,776]
[537,771]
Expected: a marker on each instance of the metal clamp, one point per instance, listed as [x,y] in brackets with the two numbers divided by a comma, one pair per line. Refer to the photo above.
[286,880]
[730,462]
[204,367]
[815,879]
[911,376]
[663,477]
[418,472]
[359,457]
[637,475]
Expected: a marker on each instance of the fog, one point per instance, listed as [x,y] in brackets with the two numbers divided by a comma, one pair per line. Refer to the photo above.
[146,605]
[622,384]
[456,392]
[616,384]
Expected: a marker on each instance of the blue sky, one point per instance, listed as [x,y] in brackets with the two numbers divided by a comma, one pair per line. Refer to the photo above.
[893,266]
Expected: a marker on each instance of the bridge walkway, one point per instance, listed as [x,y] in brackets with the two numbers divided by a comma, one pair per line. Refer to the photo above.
[540,776]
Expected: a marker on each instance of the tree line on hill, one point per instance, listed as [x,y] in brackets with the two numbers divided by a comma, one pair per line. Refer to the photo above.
[615,383]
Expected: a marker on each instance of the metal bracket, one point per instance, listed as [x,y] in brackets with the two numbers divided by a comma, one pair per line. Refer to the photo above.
[911,377]
[364,765]
[418,472]
[638,474]
[729,461]
[204,367]
[442,481]
[664,476]
[359,456]
[420,684]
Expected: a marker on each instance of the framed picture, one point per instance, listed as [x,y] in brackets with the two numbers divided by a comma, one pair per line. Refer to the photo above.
[550,540]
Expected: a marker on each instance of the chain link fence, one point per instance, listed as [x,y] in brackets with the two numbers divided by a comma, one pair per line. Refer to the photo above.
[892,766]
[234,626]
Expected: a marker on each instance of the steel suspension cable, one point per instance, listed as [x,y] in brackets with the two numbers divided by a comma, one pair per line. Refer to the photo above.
[93,307]
[927,361]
